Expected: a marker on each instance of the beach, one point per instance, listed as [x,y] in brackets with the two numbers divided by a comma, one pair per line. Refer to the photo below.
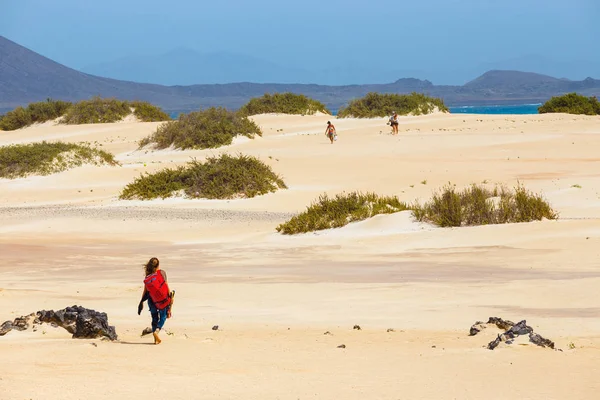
[414,289]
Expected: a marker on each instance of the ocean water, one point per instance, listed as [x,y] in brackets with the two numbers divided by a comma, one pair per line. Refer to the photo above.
[506,109]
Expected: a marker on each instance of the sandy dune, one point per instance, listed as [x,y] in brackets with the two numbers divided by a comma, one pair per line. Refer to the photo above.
[66,239]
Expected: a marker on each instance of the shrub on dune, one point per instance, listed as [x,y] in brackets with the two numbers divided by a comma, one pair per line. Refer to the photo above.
[380,105]
[211,128]
[284,103]
[96,111]
[327,212]
[571,103]
[477,205]
[20,160]
[147,112]
[224,177]
[34,113]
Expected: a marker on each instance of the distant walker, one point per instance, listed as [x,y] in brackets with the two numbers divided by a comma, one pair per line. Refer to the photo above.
[330,132]
[394,123]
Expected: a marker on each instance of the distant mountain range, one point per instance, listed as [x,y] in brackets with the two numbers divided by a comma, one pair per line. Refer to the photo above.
[183,66]
[26,76]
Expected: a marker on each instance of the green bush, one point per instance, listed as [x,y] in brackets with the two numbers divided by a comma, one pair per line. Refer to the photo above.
[327,213]
[20,160]
[284,103]
[225,177]
[477,205]
[571,103]
[34,113]
[97,110]
[380,105]
[147,112]
[211,128]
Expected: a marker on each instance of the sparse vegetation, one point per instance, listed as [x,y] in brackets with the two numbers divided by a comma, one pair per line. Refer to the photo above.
[380,105]
[576,186]
[285,103]
[225,177]
[210,128]
[340,210]
[96,110]
[571,103]
[147,112]
[477,205]
[34,113]
[20,160]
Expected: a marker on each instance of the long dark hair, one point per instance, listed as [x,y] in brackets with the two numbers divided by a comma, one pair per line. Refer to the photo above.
[151,266]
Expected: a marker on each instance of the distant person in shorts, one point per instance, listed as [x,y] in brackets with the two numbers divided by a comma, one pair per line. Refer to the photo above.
[330,132]
[394,123]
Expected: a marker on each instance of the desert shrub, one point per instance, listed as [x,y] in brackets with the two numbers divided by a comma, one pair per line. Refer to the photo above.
[164,183]
[147,112]
[15,119]
[211,128]
[284,103]
[478,205]
[97,110]
[327,212]
[35,112]
[571,103]
[225,177]
[45,158]
[381,105]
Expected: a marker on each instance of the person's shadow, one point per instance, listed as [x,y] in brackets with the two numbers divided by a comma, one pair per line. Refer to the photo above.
[136,343]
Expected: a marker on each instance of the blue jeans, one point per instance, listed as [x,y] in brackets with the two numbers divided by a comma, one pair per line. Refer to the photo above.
[159,317]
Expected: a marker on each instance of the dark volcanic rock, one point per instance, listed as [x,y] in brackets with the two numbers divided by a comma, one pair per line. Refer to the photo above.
[146,331]
[512,331]
[5,328]
[540,341]
[81,322]
[521,329]
[500,323]
[476,328]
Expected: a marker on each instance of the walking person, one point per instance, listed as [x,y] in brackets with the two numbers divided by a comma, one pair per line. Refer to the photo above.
[156,291]
[394,122]
[330,132]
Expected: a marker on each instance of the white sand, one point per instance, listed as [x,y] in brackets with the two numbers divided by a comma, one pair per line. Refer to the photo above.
[66,239]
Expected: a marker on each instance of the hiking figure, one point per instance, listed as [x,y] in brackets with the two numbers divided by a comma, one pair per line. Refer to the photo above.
[330,132]
[394,123]
[156,291]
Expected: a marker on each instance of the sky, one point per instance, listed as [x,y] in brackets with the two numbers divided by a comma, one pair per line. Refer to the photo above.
[445,41]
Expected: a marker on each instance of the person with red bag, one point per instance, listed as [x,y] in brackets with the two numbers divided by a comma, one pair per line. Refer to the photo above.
[156,291]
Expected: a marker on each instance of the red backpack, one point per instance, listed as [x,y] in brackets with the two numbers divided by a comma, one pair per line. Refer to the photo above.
[158,289]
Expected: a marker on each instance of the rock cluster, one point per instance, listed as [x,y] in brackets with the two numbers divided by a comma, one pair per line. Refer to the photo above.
[81,322]
[512,331]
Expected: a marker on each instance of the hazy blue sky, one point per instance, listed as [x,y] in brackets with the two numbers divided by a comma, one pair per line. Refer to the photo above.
[443,40]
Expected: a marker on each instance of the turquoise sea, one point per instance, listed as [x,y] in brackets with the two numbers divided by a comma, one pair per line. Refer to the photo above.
[506,109]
